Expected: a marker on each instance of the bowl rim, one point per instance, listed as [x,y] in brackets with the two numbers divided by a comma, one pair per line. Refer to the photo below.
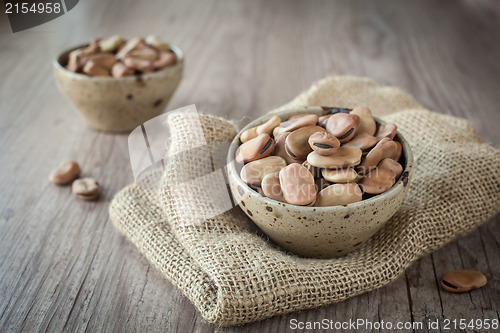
[393,191]
[57,65]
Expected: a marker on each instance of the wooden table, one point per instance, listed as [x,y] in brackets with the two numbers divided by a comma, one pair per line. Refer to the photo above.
[63,266]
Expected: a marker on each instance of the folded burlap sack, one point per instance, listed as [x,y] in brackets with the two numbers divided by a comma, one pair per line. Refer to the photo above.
[234,275]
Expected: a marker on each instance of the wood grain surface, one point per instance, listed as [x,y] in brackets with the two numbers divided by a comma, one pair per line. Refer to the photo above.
[64,267]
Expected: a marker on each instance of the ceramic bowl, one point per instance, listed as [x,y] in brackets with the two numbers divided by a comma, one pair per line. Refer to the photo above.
[318,232]
[118,104]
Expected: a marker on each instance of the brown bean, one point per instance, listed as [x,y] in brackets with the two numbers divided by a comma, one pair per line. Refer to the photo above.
[110,44]
[297,145]
[143,53]
[157,43]
[272,188]
[463,280]
[344,157]
[343,126]
[386,131]
[385,148]
[390,164]
[65,173]
[279,149]
[130,45]
[252,150]
[378,181]
[368,124]
[253,172]
[363,141]
[85,188]
[340,175]
[297,116]
[292,125]
[399,151]
[119,70]
[165,59]
[106,60]
[93,69]
[248,134]
[297,184]
[139,64]
[324,143]
[269,125]
[339,194]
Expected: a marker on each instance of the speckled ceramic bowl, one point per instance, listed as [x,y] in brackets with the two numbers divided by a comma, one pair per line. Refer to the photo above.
[118,104]
[318,232]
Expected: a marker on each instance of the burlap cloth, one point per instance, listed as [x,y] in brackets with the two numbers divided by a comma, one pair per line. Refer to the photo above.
[233,275]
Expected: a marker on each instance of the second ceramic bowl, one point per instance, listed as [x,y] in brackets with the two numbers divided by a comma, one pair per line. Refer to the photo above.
[119,104]
[318,232]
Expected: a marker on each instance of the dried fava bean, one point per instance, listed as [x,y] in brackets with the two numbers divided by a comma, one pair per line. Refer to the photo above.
[253,172]
[343,126]
[279,149]
[316,172]
[129,46]
[106,60]
[85,188]
[463,280]
[272,188]
[344,157]
[165,59]
[340,175]
[157,43]
[252,150]
[143,53]
[297,184]
[65,173]
[111,44]
[265,128]
[119,70]
[324,143]
[399,151]
[368,124]
[93,69]
[384,148]
[292,125]
[363,141]
[269,125]
[339,194]
[390,164]
[139,64]
[248,134]
[386,131]
[297,145]
[378,181]
[297,116]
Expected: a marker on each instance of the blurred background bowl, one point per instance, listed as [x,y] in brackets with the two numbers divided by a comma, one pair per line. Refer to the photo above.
[118,104]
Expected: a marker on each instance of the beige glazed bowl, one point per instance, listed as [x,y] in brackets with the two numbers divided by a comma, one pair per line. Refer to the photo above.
[118,104]
[318,232]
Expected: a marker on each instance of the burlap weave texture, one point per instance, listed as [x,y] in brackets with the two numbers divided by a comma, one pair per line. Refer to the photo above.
[233,275]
